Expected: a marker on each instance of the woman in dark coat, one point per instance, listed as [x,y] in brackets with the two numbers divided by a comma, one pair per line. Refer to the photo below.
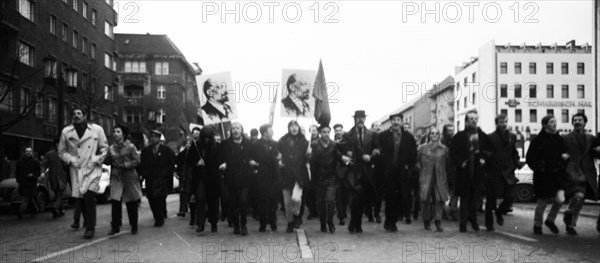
[293,147]
[546,157]
[124,181]
[237,166]
[212,181]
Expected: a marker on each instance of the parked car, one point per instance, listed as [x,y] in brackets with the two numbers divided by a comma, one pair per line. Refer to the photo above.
[9,191]
[524,189]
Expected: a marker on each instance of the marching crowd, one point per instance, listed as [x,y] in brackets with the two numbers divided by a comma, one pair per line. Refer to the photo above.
[446,176]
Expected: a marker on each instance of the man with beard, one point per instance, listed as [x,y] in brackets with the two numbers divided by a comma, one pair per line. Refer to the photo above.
[580,181]
[470,150]
[398,159]
[237,166]
[27,173]
[358,147]
[500,179]
[341,196]
[216,108]
[296,102]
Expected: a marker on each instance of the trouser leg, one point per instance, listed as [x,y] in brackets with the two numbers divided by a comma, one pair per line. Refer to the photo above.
[89,209]
[116,213]
[132,212]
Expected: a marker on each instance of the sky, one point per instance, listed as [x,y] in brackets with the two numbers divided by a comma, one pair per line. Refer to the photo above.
[373,52]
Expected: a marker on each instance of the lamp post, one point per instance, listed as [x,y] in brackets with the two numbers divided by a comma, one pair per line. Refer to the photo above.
[53,78]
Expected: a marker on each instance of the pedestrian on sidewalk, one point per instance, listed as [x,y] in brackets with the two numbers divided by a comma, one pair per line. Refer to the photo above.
[547,157]
[433,160]
[57,178]
[27,172]
[581,178]
[124,181]
[83,147]
[157,167]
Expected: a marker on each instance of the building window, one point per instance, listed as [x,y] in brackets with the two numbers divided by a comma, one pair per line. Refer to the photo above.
[85,80]
[108,60]
[549,68]
[75,38]
[564,68]
[161,68]
[53,24]
[532,68]
[6,103]
[93,51]
[550,112]
[94,16]
[518,115]
[465,81]
[458,105]
[135,66]
[27,9]
[133,92]
[65,28]
[162,92]
[75,5]
[550,91]
[518,89]
[161,116]
[503,67]
[72,78]
[84,10]
[84,45]
[108,29]
[580,91]
[52,109]
[473,98]
[132,115]
[580,68]
[565,91]
[533,116]
[108,93]
[532,91]
[465,102]
[517,67]
[581,111]
[474,77]
[39,105]
[565,116]
[503,91]
[26,54]
[504,112]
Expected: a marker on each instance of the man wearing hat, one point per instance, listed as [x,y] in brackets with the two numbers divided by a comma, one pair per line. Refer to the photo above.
[398,158]
[157,167]
[358,147]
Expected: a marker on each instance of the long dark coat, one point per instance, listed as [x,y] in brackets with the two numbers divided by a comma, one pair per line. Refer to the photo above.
[472,176]
[506,157]
[293,155]
[157,170]
[361,171]
[581,170]
[194,173]
[237,158]
[323,163]
[57,171]
[267,182]
[544,158]
[407,157]
[25,166]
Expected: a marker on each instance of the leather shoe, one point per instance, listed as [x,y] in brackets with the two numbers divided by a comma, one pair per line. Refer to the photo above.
[475,226]
[462,228]
[359,229]
[244,231]
[499,218]
[89,233]
[213,228]
[323,228]
[200,229]
[537,230]
[273,227]
[262,228]
[571,231]
[342,222]
[113,231]
[134,229]
[290,228]
[438,225]
[408,220]
[427,225]
[378,219]
[75,225]
[552,226]
[352,228]
[331,227]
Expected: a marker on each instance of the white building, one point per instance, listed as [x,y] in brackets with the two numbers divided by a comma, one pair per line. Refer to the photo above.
[526,83]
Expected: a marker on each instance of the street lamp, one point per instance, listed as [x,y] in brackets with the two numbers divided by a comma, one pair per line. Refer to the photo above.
[53,78]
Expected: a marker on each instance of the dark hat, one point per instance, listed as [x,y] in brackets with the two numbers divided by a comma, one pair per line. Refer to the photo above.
[359,113]
[322,127]
[396,115]
[157,132]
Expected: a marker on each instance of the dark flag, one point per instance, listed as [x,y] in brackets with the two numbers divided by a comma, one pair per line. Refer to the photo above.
[322,112]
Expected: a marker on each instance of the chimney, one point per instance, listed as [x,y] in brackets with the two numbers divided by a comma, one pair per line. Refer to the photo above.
[571,45]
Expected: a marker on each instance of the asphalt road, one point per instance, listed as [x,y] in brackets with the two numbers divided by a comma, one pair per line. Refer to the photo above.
[44,239]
